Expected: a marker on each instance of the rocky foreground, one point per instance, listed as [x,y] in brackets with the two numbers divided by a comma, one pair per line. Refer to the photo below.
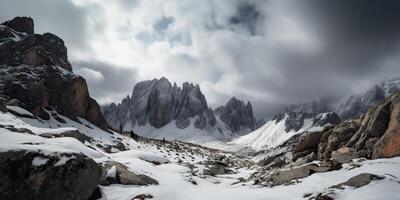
[55,144]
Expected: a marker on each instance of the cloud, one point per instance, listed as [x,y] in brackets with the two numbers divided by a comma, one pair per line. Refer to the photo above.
[272,53]
[107,83]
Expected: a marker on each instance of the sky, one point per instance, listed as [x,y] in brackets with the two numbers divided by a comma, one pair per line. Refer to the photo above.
[272,53]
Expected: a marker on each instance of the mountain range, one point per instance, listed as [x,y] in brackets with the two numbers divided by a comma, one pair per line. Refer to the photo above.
[159,109]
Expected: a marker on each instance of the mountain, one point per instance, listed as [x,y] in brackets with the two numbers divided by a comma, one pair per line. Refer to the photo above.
[358,104]
[160,109]
[37,76]
[284,126]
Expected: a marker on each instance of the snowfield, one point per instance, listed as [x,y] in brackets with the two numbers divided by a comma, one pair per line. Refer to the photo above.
[180,167]
[273,134]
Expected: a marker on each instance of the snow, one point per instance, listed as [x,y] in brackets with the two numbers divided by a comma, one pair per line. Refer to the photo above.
[112,172]
[19,110]
[174,185]
[272,134]
[175,179]
[189,134]
[39,161]
[63,160]
[146,156]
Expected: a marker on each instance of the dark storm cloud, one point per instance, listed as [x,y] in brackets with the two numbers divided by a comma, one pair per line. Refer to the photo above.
[357,39]
[108,82]
[247,16]
[272,53]
[62,18]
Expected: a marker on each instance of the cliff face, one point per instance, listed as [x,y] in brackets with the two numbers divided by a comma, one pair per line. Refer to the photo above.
[36,74]
[359,104]
[158,103]
[237,115]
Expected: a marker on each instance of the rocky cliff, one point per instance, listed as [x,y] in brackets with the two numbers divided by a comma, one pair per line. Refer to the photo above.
[36,74]
[159,103]
[359,104]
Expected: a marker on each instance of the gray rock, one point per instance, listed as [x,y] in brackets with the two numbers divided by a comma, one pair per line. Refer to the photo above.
[74,134]
[345,155]
[21,179]
[237,115]
[287,175]
[214,170]
[360,180]
[123,176]
[158,102]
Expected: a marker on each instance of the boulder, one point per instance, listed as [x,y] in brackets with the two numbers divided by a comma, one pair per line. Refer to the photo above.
[345,155]
[117,173]
[285,176]
[74,134]
[33,175]
[309,141]
[214,170]
[389,144]
[360,180]
[337,137]
[373,126]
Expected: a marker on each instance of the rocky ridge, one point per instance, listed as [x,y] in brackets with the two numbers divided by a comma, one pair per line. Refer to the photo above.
[157,103]
[36,74]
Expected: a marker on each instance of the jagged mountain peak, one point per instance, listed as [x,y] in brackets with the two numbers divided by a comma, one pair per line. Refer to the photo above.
[158,103]
[358,104]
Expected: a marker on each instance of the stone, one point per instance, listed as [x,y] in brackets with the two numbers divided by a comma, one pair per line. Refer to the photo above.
[345,155]
[360,180]
[337,137]
[389,144]
[22,178]
[285,176]
[123,175]
[214,170]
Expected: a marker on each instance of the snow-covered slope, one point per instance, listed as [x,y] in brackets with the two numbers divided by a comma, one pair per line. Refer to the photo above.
[182,172]
[277,131]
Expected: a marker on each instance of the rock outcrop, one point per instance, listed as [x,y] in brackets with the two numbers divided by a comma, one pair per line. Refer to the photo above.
[33,175]
[237,115]
[35,70]
[373,135]
[157,102]
[117,173]
[359,104]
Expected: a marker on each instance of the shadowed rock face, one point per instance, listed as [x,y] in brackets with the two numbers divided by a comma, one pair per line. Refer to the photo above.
[29,175]
[35,70]
[237,115]
[158,103]
[373,135]
[21,24]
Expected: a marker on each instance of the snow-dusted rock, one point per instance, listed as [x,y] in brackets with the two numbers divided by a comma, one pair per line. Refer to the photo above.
[359,104]
[36,72]
[34,175]
[160,109]
[117,173]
